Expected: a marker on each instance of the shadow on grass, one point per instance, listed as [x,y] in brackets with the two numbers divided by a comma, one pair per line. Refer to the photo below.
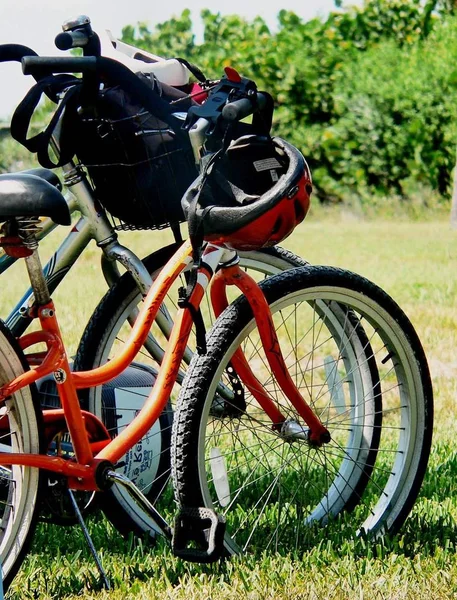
[60,563]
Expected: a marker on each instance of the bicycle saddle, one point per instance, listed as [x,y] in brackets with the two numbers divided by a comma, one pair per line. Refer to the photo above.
[45,174]
[25,195]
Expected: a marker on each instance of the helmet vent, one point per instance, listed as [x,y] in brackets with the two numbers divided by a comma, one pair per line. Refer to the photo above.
[299,212]
[276,226]
[292,192]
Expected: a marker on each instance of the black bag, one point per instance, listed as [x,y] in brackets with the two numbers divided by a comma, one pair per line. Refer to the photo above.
[139,167]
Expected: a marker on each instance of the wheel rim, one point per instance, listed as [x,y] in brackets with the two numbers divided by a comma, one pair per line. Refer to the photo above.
[18,499]
[335,471]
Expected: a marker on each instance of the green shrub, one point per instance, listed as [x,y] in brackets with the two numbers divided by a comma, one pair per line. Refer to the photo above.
[368,95]
[394,123]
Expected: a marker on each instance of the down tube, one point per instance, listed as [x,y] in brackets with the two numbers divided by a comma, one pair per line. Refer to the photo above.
[166,377]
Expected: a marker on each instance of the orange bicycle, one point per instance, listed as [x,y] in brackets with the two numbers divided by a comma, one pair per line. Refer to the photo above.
[310,402]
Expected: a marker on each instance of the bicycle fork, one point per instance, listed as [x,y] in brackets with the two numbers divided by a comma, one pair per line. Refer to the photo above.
[317,434]
[199,532]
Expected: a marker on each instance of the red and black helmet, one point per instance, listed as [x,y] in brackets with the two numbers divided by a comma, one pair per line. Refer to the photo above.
[251,195]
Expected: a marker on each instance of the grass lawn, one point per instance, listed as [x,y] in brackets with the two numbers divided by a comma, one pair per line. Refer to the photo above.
[416,263]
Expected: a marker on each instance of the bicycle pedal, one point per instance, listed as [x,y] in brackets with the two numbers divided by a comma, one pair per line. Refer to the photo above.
[198,535]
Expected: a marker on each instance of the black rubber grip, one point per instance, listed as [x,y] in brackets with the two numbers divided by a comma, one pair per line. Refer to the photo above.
[71,39]
[59,64]
[16,52]
[239,109]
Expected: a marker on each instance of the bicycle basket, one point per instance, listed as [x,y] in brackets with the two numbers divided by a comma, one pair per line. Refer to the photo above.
[138,167]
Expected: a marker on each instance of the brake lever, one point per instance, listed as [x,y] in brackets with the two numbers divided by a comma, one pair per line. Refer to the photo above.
[231,86]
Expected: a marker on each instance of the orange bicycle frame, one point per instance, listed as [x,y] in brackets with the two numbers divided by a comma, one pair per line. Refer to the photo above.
[91,442]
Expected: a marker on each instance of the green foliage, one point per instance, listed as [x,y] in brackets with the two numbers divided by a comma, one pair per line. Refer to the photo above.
[172,38]
[368,94]
[14,157]
[394,123]
[377,20]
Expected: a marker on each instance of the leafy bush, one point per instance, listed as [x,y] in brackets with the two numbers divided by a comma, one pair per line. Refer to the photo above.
[395,119]
[368,94]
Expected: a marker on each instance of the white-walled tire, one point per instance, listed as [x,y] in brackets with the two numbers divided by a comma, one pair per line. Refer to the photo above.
[276,490]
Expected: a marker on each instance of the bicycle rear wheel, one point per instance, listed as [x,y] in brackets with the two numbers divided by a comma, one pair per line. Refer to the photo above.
[20,418]
[276,490]
[148,465]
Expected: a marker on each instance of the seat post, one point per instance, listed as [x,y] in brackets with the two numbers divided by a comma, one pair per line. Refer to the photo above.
[37,278]
[21,241]
[18,238]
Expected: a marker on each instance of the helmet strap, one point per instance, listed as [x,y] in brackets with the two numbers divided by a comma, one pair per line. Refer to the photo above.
[197,241]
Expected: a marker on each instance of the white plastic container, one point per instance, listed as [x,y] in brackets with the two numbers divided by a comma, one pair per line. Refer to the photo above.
[168,71]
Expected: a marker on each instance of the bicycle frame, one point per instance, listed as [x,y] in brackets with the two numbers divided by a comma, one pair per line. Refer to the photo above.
[92,445]
[92,225]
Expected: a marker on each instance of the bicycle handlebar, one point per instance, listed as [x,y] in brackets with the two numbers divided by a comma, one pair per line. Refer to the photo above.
[15,52]
[116,73]
[32,65]
[239,109]
[71,39]
[78,33]
[111,72]
[219,107]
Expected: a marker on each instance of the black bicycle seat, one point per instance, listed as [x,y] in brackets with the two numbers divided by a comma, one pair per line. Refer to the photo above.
[45,174]
[25,195]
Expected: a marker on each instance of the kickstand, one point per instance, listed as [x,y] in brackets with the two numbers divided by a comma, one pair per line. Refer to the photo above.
[89,541]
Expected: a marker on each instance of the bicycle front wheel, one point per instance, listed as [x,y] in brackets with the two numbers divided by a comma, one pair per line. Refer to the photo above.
[148,465]
[19,486]
[358,363]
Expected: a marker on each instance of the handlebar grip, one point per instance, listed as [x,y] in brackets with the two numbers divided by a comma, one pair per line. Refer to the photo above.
[59,64]
[71,39]
[239,109]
